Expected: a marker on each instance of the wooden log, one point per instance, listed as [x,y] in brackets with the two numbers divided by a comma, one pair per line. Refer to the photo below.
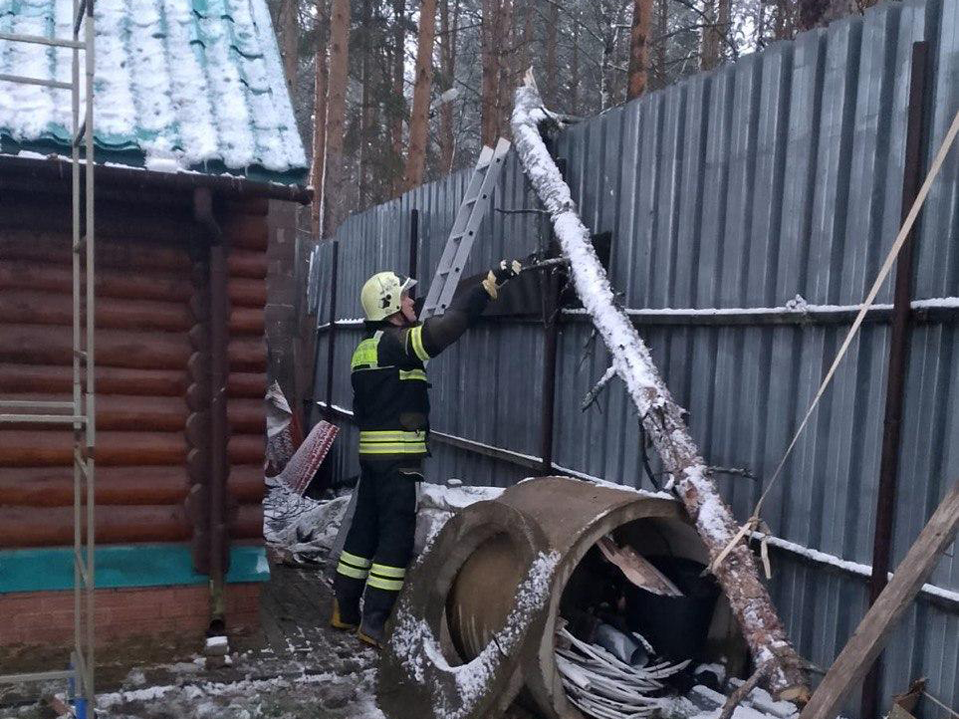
[247,321]
[662,418]
[131,256]
[247,355]
[246,292]
[247,416]
[47,345]
[246,449]
[53,486]
[122,412]
[109,380]
[54,308]
[121,284]
[246,384]
[247,522]
[27,448]
[247,264]
[53,526]
[246,232]
[875,628]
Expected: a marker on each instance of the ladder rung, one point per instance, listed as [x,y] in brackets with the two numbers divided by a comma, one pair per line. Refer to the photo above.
[42,419]
[40,40]
[20,80]
[37,676]
[41,404]
[80,245]
[80,354]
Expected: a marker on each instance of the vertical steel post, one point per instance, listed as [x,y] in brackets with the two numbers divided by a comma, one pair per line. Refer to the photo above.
[898,354]
[414,245]
[550,285]
[331,335]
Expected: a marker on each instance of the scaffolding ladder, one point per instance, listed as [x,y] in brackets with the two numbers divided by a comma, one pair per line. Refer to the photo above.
[79,413]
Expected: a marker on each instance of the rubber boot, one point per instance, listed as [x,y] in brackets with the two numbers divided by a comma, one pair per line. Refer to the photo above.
[377,605]
[346,603]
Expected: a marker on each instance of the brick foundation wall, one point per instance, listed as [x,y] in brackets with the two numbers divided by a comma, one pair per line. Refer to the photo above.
[46,618]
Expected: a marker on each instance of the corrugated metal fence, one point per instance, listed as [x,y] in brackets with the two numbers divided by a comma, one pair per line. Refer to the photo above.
[774,181]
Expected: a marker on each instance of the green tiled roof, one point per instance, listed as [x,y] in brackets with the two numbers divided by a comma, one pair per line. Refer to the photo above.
[179,85]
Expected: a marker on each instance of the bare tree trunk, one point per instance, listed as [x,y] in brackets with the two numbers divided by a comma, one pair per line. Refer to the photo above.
[818,13]
[290,24]
[334,192]
[784,22]
[662,418]
[398,104]
[760,24]
[574,69]
[367,105]
[416,160]
[709,52]
[639,48]
[661,43]
[505,60]
[317,172]
[489,101]
[449,34]
[550,42]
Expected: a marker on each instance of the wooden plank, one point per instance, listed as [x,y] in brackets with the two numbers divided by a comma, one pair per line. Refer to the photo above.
[873,631]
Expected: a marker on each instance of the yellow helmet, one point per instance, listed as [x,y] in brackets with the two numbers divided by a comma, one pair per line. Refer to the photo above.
[382,294]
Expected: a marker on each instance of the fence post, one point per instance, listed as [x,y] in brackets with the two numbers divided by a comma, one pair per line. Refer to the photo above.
[331,337]
[414,245]
[895,384]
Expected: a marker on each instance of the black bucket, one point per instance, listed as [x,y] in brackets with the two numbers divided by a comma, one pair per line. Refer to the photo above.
[676,626]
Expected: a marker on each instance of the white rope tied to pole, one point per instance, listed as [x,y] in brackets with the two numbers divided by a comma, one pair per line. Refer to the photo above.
[904,231]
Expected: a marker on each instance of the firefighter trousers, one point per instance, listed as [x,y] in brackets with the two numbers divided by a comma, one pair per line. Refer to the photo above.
[379,544]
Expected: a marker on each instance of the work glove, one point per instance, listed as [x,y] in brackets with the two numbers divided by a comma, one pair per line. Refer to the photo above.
[500,275]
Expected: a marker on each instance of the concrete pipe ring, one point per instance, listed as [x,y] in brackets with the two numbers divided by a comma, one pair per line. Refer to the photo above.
[422,673]
[572,515]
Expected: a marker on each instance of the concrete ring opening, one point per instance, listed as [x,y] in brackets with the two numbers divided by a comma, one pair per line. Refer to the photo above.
[577,518]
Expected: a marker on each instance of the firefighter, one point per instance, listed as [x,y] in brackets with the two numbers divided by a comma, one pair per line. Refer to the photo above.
[391,408]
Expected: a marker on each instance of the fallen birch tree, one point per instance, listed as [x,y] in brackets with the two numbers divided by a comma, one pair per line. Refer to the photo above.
[662,418]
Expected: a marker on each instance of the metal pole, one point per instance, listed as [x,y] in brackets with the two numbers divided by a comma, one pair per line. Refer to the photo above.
[550,285]
[89,659]
[895,387]
[414,245]
[331,337]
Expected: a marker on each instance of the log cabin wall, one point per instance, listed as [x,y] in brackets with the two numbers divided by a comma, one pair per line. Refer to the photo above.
[152,352]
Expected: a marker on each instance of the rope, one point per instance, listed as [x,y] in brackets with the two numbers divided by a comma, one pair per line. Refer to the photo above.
[904,231]
[941,705]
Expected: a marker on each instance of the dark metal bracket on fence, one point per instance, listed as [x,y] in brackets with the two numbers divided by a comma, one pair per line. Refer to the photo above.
[898,355]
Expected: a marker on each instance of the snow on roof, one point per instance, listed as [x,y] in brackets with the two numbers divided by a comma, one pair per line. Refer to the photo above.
[179,84]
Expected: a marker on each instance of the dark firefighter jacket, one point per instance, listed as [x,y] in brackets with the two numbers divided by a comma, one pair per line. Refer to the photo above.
[390,392]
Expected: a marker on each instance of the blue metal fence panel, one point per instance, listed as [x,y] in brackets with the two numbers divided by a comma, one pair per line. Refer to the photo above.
[775,177]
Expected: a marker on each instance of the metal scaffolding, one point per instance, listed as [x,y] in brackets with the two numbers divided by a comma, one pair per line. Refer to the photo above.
[80,411]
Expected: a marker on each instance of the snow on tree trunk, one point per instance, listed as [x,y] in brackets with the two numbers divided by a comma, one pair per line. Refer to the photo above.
[662,417]
[416,160]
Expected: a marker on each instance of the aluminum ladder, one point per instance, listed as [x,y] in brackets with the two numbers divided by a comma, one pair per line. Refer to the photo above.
[79,413]
[465,226]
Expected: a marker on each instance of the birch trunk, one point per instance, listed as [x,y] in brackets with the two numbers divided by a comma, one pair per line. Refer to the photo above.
[662,417]
[416,160]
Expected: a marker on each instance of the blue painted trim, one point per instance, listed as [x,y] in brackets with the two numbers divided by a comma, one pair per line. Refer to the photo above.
[129,565]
